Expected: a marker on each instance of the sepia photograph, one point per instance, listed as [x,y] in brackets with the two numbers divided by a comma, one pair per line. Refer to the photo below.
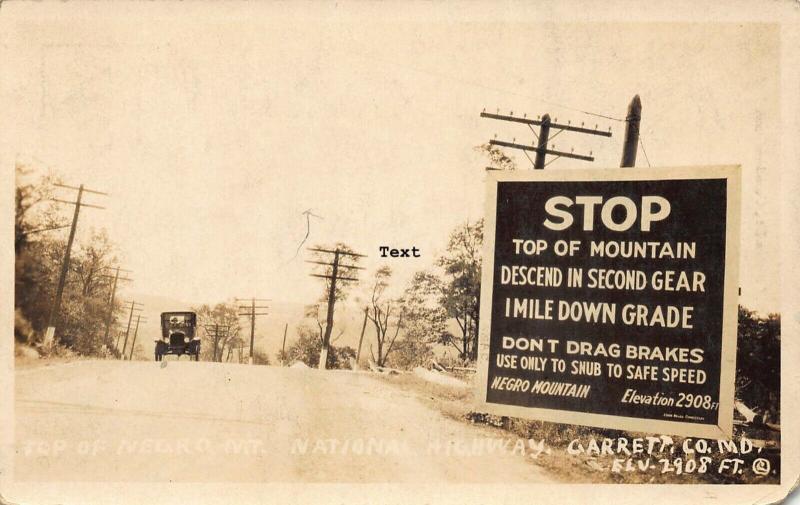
[399,252]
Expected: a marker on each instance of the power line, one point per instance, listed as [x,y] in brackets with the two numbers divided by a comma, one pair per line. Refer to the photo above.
[136,332]
[217,334]
[641,143]
[110,313]
[543,138]
[133,309]
[490,88]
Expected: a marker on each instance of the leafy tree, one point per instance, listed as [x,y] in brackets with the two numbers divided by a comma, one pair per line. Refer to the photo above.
[424,321]
[282,357]
[84,306]
[315,316]
[758,362]
[37,252]
[260,357]
[343,283]
[462,285]
[237,344]
[497,158]
[409,353]
[307,349]
[35,211]
[224,317]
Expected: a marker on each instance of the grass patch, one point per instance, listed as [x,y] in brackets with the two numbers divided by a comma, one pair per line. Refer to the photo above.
[669,466]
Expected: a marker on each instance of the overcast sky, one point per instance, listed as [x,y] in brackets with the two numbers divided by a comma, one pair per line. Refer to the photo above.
[214,134]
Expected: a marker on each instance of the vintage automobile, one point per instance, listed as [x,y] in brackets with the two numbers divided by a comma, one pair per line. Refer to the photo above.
[178,335]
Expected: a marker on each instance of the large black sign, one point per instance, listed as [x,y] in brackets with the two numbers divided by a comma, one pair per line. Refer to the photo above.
[607,298]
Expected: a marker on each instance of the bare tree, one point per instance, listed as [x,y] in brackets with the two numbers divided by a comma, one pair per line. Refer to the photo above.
[381,311]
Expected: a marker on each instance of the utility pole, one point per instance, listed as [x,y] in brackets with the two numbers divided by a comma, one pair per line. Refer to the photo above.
[252,315]
[135,332]
[283,346]
[631,144]
[111,300]
[128,330]
[218,331]
[333,277]
[361,338]
[52,319]
[543,137]
[216,340]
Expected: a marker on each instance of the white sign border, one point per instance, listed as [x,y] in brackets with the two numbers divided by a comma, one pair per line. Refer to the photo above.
[724,428]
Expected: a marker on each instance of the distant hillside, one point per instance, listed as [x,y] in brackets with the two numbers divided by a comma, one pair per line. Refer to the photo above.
[269,329]
[152,307]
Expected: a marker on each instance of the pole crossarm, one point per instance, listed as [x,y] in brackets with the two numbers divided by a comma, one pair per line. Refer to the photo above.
[331,264]
[251,313]
[344,253]
[334,276]
[85,190]
[117,278]
[536,122]
[40,230]
[117,268]
[78,203]
[338,277]
[537,150]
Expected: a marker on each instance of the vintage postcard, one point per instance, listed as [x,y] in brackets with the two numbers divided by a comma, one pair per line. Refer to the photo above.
[399,252]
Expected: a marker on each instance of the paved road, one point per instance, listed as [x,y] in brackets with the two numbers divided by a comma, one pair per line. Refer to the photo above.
[213,422]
